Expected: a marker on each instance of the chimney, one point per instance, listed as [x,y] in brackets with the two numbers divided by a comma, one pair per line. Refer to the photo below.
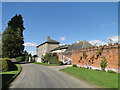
[48,38]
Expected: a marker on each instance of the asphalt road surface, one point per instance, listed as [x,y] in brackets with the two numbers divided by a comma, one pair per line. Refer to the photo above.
[40,76]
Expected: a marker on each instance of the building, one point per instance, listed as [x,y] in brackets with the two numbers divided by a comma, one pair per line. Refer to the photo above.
[46,47]
[65,52]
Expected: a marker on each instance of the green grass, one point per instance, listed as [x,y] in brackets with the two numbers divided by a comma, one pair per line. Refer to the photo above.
[9,76]
[46,64]
[99,78]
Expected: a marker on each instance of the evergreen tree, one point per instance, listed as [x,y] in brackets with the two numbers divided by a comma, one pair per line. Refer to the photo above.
[12,38]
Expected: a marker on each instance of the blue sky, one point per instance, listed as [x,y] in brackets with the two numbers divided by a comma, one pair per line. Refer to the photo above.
[71,21]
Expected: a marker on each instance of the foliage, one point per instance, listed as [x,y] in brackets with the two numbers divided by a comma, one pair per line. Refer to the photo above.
[9,76]
[20,58]
[12,38]
[80,57]
[6,65]
[78,60]
[60,63]
[92,56]
[84,55]
[97,70]
[25,53]
[26,58]
[54,60]
[110,71]
[47,57]
[74,65]
[103,63]
[98,52]
[35,56]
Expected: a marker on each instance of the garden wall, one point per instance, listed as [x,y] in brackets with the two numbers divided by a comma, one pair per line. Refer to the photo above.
[94,55]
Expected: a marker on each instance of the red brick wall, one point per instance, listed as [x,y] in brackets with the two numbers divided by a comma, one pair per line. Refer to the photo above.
[110,52]
[59,56]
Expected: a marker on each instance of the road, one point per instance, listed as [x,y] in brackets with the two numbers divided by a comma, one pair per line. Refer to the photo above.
[40,76]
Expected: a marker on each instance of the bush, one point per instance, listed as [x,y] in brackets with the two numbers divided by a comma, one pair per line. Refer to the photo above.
[47,57]
[20,58]
[5,64]
[54,60]
[74,65]
[26,58]
[110,71]
[60,63]
[103,64]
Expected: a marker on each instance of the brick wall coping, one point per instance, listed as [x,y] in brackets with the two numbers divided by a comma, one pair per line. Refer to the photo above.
[110,46]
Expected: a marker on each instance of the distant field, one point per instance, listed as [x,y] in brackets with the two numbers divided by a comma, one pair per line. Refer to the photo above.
[102,79]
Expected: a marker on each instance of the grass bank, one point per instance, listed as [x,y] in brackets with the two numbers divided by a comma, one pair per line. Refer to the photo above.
[9,76]
[99,78]
[46,64]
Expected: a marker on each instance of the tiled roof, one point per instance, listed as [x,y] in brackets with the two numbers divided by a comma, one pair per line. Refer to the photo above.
[80,45]
[51,41]
[60,47]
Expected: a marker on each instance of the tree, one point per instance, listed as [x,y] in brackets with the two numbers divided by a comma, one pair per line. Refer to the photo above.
[25,53]
[12,38]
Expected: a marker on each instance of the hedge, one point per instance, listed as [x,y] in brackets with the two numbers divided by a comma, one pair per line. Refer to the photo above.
[6,64]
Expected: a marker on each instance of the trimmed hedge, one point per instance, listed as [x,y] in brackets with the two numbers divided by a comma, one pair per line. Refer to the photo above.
[6,64]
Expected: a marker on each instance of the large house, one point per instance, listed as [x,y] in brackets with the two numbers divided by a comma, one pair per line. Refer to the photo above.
[46,47]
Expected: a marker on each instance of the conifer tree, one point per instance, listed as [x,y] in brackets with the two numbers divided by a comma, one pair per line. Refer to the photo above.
[12,38]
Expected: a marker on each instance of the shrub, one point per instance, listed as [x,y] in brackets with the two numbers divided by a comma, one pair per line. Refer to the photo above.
[5,64]
[60,63]
[47,57]
[110,71]
[20,58]
[74,65]
[54,60]
[26,58]
[103,64]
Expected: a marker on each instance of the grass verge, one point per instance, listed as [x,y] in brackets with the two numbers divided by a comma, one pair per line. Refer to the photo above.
[9,76]
[99,78]
[46,64]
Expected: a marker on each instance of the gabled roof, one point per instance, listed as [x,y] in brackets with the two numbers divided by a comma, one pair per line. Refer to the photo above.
[51,41]
[80,45]
[60,47]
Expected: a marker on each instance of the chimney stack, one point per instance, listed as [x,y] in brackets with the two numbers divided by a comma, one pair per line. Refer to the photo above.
[48,38]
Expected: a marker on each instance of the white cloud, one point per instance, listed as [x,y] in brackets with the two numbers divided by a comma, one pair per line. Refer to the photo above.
[32,52]
[97,42]
[28,44]
[62,38]
[114,39]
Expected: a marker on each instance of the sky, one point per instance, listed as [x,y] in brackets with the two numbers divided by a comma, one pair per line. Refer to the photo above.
[65,22]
